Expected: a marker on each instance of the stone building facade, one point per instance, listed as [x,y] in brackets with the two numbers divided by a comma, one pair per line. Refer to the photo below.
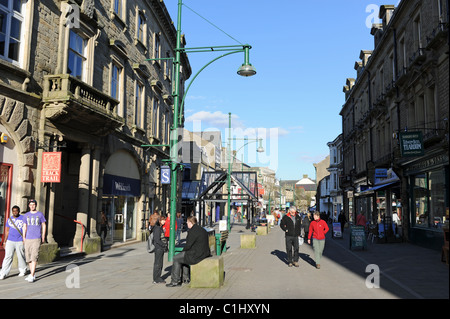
[401,89]
[93,81]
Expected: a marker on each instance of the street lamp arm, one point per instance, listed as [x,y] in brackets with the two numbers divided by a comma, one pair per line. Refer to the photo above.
[241,48]
[195,76]
[251,141]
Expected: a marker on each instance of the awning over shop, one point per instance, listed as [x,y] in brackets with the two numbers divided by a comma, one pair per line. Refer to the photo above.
[376,188]
[190,190]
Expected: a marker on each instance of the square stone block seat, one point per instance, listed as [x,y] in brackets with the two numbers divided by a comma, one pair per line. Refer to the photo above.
[208,273]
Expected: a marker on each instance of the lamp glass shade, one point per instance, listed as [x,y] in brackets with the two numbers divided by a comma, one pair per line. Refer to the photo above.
[246,70]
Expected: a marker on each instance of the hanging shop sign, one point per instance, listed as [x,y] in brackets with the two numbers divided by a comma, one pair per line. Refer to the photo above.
[411,143]
[51,167]
[165,174]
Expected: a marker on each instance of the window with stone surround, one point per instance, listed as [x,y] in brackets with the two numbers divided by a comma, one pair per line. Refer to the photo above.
[116,85]
[11,30]
[139,105]
[76,65]
[141,28]
[155,117]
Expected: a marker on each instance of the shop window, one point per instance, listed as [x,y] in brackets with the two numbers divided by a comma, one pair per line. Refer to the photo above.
[429,199]
[420,200]
[437,198]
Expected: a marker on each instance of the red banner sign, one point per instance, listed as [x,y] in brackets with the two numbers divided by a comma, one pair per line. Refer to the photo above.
[51,167]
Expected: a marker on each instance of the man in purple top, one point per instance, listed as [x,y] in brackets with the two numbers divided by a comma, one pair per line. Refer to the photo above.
[34,229]
[13,243]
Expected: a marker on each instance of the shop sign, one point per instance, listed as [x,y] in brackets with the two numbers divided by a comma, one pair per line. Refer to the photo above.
[118,185]
[165,174]
[337,232]
[384,176]
[411,143]
[51,167]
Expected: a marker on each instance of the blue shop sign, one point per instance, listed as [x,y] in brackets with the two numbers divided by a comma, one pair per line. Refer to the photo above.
[118,185]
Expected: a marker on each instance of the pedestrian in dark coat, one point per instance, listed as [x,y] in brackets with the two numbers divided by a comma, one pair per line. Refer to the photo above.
[342,219]
[156,227]
[195,250]
[291,224]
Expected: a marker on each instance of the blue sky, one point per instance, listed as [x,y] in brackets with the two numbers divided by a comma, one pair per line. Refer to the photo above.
[303,52]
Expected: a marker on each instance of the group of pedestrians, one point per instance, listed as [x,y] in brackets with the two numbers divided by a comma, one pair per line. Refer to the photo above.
[293,226]
[24,234]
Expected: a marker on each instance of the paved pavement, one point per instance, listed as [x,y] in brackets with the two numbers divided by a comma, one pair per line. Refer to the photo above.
[406,272]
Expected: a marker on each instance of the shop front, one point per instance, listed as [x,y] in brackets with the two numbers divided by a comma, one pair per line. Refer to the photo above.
[428,190]
[381,204]
[10,189]
[120,200]
[5,202]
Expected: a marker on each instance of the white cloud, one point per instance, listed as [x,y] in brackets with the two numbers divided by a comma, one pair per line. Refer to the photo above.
[195,97]
[215,119]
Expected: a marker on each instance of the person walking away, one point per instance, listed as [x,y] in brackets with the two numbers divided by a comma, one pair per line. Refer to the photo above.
[195,250]
[342,219]
[14,243]
[179,227]
[166,227]
[156,227]
[305,224]
[103,226]
[291,225]
[34,229]
[317,230]
[361,220]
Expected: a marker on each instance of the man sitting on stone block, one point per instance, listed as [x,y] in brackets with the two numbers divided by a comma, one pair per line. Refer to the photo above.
[195,250]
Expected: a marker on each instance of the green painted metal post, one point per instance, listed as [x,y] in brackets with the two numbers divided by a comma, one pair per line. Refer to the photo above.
[174,138]
[229,173]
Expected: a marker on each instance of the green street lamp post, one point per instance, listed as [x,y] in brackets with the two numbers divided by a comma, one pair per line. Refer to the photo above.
[246,69]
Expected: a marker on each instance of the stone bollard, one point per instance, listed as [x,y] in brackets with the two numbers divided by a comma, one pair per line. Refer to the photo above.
[248,241]
[208,273]
[261,230]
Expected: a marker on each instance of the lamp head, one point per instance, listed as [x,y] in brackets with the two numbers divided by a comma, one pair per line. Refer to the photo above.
[246,69]
[260,148]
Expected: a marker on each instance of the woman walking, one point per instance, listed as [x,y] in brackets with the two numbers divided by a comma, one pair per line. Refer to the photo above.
[317,229]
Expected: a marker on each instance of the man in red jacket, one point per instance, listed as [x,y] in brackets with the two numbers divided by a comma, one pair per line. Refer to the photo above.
[317,229]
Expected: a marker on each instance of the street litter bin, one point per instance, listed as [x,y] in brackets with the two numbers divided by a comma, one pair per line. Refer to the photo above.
[211,239]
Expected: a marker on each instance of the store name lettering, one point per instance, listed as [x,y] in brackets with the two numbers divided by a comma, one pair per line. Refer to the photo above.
[409,145]
[122,187]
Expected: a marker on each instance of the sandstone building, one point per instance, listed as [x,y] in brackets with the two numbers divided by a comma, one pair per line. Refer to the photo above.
[92,80]
[395,124]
